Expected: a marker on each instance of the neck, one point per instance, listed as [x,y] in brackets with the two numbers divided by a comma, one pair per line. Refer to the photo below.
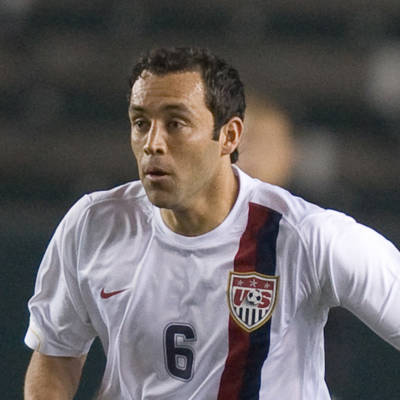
[205,212]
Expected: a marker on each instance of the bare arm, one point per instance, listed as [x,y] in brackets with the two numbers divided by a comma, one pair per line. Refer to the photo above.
[52,378]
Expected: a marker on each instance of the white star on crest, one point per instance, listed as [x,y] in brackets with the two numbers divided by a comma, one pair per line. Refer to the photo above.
[268,285]
[253,283]
[240,282]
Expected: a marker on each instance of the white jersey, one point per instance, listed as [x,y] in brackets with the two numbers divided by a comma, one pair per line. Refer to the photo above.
[236,313]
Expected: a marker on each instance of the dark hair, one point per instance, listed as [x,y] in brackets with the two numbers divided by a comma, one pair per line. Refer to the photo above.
[223,87]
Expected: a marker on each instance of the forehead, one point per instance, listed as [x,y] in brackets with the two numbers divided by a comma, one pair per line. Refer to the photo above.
[158,90]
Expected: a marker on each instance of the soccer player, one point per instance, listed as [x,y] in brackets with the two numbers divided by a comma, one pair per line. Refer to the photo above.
[201,282]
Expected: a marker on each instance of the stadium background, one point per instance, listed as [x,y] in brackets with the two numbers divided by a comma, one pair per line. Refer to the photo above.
[333,67]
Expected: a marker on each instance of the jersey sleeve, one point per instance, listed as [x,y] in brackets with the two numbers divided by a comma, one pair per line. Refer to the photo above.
[359,270]
[59,324]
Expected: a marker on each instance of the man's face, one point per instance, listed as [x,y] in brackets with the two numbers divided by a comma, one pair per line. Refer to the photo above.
[171,138]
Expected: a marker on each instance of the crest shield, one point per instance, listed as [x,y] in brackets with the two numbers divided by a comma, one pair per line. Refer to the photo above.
[251,298]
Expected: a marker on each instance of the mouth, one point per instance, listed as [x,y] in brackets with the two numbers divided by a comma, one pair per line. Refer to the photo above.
[155,173]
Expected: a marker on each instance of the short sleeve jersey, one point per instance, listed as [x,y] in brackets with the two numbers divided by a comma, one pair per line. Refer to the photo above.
[236,313]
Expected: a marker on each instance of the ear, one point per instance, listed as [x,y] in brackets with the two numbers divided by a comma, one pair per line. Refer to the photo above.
[230,135]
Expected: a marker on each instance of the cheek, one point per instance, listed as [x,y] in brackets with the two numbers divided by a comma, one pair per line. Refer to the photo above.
[135,146]
[137,154]
[199,159]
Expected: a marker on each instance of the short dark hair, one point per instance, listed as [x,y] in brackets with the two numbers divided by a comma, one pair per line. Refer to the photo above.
[224,89]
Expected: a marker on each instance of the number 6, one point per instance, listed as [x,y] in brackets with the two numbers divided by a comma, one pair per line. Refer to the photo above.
[179,356]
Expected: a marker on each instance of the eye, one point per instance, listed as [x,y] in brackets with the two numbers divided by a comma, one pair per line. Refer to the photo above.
[176,124]
[140,124]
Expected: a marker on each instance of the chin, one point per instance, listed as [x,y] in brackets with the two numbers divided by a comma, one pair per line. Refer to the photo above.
[160,200]
[159,203]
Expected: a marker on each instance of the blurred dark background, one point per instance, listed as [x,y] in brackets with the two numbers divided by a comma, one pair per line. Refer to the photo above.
[332,67]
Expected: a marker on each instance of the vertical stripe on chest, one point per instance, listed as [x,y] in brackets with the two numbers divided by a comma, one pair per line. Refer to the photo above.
[253,275]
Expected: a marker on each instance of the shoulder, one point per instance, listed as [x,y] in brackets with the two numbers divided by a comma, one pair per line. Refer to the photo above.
[293,209]
[303,218]
[131,192]
[127,198]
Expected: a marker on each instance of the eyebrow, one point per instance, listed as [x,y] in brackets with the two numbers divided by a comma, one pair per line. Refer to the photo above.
[181,107]
[133,108]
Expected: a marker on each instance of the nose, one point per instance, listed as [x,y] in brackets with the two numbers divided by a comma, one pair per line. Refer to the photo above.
[155,141]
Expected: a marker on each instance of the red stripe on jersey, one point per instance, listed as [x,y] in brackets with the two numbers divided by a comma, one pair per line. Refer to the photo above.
[239,340]
[246,257]
[235,364]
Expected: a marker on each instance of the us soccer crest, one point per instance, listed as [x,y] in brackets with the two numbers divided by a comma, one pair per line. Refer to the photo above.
[251,298]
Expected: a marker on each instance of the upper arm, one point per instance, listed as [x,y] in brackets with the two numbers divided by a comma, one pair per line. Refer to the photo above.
[366,276]
[360,270]
[59,320]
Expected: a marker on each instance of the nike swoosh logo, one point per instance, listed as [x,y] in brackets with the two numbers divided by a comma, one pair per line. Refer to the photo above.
[106,295]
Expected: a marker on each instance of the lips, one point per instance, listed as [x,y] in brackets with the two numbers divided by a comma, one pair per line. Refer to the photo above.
[155,173]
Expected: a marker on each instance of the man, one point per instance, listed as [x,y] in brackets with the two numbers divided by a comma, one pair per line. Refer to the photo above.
[201,282]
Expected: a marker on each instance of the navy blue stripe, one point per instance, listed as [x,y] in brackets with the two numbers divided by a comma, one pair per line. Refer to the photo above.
[260,338]
[266,244]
